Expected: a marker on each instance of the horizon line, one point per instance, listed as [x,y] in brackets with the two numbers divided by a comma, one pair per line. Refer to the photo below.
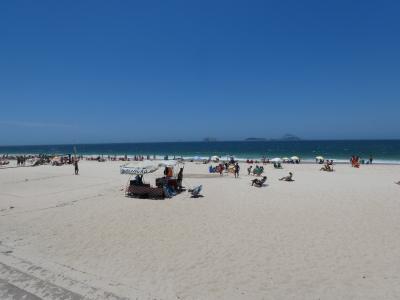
[202,141]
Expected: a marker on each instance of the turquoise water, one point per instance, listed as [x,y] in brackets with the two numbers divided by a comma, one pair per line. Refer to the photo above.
[381,150]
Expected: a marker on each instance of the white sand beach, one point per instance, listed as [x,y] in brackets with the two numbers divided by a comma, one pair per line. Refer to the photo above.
[323,236]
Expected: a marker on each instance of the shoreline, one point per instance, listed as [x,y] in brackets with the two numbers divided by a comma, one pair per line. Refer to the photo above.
[383,151]
[201,159]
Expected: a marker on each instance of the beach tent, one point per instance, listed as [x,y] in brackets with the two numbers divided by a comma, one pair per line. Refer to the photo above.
[276,159]
[167,163]
[141,168]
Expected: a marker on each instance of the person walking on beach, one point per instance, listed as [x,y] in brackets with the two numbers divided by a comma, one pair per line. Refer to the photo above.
[180,179]
[249,170]
[76,167]
[237,169]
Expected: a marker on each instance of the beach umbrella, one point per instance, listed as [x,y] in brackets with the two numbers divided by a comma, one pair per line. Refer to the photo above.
[319,157]
[276,159]
[226,158]
[197,158]
[215,158]
[285,158]
[295,158]
[167,163]
[144,167]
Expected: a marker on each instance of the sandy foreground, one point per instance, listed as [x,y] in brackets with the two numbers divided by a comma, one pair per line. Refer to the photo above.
[324,236]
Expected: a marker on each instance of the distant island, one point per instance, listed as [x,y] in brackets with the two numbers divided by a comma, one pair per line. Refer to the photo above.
[286,137]
[253,139]
[289,137]
[209,139]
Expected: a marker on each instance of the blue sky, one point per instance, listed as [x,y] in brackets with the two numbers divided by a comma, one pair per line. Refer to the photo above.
[126,71]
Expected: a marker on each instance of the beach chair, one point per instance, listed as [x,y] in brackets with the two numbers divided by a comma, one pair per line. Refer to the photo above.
[168,192]
[196,191]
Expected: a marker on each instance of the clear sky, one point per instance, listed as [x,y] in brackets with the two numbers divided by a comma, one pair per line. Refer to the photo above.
[137,71]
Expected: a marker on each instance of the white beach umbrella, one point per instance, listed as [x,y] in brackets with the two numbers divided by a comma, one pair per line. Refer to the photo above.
[215,158]
[285,158]
[295,158]
[319,157]
[276,159]
[226,158]
[197,158]
[144,167]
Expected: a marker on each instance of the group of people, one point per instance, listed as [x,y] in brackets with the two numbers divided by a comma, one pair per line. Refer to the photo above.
[21,160]
[4,160]
[356,161]
[260,182]
[328,166]
[171,190]
[217,169]
[229,167]
[124,158]
[258,170]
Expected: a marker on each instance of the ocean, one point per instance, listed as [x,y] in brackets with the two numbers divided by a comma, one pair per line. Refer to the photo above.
[386,151]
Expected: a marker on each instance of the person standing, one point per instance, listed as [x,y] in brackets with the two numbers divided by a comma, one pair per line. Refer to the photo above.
[370,159]
[76,167]
[180,179]
[165,171]
[249,170]
[237,169]
[220,169]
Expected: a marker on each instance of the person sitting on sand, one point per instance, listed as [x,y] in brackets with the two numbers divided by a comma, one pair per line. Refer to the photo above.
[259,183]
[287,178]
[327,167]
